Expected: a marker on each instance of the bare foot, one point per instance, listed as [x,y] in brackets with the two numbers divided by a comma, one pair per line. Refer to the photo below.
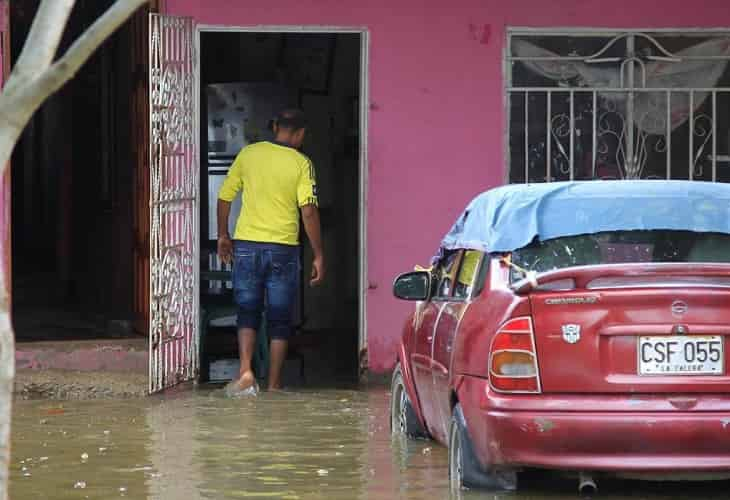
[245,386]
[246,380]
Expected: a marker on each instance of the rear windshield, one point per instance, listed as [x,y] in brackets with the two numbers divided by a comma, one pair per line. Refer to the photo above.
[618,247]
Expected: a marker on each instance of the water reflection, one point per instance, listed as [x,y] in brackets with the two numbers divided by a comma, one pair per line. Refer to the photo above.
[172,447]
[332,444]
[90,449]
[285,445]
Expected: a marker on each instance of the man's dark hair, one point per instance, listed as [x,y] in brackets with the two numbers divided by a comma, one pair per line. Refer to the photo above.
[291,119]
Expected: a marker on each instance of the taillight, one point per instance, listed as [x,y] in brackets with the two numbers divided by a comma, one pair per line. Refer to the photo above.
[513,359]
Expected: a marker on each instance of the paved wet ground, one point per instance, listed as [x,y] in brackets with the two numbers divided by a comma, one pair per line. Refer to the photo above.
[330,444]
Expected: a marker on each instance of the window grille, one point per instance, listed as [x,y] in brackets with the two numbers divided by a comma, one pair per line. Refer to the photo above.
[618,105]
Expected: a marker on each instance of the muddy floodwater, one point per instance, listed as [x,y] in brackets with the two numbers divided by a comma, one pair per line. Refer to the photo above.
[331,444]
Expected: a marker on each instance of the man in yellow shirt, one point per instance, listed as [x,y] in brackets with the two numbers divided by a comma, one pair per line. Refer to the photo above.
[276,183]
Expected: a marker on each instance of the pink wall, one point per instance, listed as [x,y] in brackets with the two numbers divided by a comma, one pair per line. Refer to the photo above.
[436,110]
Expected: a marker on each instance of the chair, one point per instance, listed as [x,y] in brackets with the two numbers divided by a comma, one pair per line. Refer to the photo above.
[219,311]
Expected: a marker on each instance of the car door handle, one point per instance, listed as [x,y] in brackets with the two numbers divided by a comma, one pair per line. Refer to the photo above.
[683,403]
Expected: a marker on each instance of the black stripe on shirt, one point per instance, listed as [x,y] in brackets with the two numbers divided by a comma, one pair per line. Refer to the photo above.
[312,176]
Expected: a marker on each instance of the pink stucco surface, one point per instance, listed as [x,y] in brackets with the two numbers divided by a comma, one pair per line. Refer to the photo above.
[436,108]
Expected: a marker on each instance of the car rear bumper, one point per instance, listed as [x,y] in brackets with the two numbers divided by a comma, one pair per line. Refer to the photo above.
[553,436]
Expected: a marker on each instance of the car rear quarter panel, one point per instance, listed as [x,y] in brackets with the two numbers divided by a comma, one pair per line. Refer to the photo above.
[496,304]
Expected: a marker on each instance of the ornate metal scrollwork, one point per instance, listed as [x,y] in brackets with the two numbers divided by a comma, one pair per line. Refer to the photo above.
[653,112]
[174,193]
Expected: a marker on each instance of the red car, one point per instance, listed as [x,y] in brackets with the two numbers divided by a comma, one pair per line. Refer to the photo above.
[581,327]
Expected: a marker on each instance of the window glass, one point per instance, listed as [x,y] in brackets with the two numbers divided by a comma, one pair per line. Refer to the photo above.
[619,247]
[445,274]
[465,278]
[482,276]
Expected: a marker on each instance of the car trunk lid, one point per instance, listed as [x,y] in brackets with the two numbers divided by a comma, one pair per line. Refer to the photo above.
[657,328]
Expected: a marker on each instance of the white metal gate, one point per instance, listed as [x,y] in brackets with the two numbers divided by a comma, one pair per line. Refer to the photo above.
[173,205]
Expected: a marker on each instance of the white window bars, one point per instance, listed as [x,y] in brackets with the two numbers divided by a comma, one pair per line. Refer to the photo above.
[618,105]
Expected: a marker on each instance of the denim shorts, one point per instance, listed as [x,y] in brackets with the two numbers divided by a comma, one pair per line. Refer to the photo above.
[266,275]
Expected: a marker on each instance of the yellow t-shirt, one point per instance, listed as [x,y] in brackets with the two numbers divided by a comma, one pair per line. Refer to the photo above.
[275,181]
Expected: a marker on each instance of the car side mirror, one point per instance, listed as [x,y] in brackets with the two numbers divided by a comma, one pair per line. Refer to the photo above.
[415,285]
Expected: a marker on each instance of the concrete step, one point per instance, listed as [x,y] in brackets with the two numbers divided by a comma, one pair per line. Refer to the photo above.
[68,384]
[112,355]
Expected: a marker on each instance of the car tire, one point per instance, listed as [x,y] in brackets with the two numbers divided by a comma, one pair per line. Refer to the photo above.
[403,420]
[465,471]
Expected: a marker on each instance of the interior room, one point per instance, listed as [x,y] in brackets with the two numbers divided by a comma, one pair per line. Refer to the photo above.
[246,78]
[73,185]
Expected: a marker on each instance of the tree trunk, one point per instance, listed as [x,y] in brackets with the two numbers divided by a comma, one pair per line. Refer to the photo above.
[7,348]
[33,79]
[7,373]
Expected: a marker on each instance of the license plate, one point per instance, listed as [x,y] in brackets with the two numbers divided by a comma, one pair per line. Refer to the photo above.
[681,355]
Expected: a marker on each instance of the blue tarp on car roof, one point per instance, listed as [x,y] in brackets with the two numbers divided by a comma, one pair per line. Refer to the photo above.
[510,217]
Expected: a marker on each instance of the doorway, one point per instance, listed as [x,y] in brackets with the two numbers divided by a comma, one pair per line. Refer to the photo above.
[72,227]
[246,77]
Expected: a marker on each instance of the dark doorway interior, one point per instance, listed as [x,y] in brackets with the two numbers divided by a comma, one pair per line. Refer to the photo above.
[73,192]
[246,78]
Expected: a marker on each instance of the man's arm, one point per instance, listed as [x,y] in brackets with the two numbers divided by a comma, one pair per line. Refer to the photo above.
[225,245]
[310,218]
